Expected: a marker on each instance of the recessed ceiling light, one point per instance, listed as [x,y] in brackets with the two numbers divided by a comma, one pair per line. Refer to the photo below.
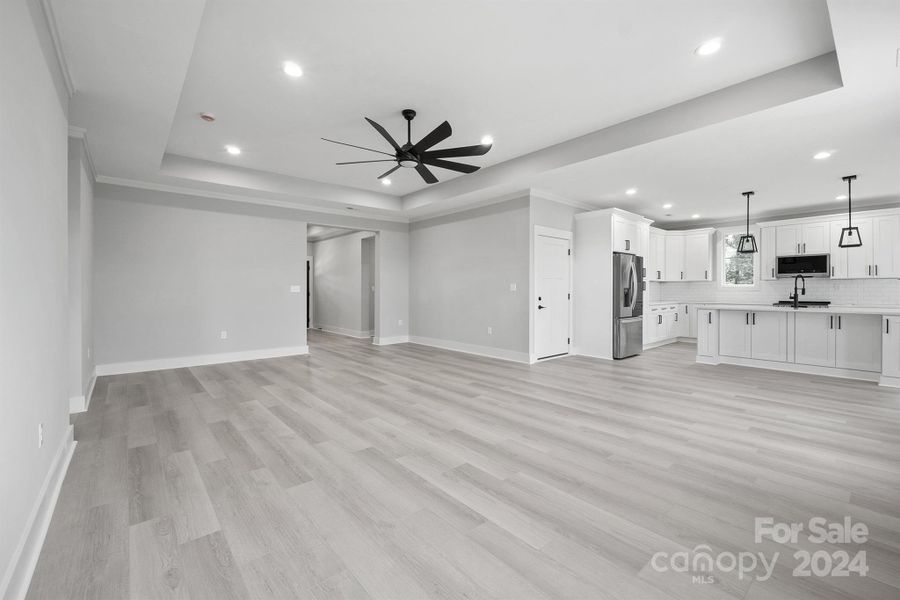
[292,69]
[709,47]
[208,117]
[385,181]
[841,197]
[667,206]
[631,191]
[695,216]
[487,140]
[822,155]
[232,150]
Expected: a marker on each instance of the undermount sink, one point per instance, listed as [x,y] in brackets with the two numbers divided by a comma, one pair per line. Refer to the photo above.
[803,303]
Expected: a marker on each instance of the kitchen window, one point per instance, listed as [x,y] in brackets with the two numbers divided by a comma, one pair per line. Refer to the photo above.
[739,271]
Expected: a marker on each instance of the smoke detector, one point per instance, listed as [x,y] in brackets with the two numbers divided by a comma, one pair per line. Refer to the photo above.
[208,117]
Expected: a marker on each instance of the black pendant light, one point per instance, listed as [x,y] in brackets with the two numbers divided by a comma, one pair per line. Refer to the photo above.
[747,243]
[849,234]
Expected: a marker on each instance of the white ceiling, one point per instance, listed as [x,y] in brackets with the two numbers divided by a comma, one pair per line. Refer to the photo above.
[528,73]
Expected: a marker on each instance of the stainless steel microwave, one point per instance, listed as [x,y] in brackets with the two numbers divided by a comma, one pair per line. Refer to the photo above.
[808,265]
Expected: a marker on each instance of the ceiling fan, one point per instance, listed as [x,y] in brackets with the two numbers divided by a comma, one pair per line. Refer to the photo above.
[417,156]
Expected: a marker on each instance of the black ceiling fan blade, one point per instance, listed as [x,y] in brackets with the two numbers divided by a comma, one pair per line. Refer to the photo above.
[360,147]
[386,173]
[427,175]
[437,135]
[359,162]
[449,164]
[479,150]
[384,134]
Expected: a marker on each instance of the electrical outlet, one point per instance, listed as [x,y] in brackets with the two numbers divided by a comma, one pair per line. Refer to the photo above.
[399,321]
[223,335]
[512,287]
[490,331]
[40,435]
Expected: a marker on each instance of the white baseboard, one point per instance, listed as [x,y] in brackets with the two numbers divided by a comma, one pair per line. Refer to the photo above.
[24,559]
[354,333]
[512,355]
[888,381]
[387,341]
[79,404]
[180,362]
[790,367]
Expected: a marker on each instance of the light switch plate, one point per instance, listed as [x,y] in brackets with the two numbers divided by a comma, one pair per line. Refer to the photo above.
[512,287]
[295,289]
[223,335]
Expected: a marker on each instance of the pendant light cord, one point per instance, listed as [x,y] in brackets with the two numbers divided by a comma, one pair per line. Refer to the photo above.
[849,204]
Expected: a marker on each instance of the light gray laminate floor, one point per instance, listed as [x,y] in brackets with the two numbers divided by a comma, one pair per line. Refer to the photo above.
[406,472]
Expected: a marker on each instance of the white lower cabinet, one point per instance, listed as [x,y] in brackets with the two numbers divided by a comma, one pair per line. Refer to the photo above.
[707,332]
[768,336]
[748,334]
[890,347]
[734,333]
[857,342]
[814,339]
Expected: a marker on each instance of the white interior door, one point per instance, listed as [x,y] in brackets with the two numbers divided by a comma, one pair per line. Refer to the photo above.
[551,319]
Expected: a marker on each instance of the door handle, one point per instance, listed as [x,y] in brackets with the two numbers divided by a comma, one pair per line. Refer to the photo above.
[541,307]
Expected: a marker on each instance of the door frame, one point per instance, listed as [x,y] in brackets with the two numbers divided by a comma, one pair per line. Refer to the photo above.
[539,231]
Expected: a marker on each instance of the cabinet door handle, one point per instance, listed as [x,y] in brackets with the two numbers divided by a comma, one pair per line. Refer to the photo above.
[709,317]
[659,322]
[887,325]
[831,322]
[706,274]
[870,270]
[832,271]
[754,318]
[839,321]
[746,318]
[659,274]
[685,309]
[798,247]
[643,272]
[676,317]
[773,271]
[804,247]
[682,274]
[876,270]
[628,244]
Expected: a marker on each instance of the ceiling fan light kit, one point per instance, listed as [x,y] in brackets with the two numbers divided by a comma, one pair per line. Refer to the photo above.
[747,242]
[849,234]
[418,156]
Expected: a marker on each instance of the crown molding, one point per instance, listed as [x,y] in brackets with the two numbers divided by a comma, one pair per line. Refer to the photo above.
[175,189]
[50,18]
[553,197]
[81,134]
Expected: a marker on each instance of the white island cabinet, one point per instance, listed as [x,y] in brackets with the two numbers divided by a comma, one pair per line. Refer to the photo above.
[854,342]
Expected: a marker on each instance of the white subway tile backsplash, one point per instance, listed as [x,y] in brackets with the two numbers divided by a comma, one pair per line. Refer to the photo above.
[860,292]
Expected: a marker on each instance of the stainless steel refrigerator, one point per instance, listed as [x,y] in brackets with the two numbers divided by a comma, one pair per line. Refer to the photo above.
[628,305]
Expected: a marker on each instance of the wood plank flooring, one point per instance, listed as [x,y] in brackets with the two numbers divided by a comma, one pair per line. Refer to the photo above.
[406,472]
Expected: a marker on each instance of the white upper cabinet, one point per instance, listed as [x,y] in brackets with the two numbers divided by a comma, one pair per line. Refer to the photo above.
[886,246]
[767,252]
[838,254]
[802,238]
[656,268]
[788,240]
[814,238]
[697,257]
[860,260]
[626,235]
[674,245]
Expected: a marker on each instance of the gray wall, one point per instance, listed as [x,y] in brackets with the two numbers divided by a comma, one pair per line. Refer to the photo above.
[461,268]
[368,284]
[338,281]
[81,224]
[168,279]
[33,272]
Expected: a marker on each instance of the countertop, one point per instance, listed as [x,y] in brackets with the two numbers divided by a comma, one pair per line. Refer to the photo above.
[833,309]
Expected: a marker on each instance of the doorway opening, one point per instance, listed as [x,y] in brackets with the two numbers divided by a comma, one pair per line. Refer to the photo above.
[341,283]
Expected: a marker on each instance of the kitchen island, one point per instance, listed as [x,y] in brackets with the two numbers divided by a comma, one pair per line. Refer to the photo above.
[855,342]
